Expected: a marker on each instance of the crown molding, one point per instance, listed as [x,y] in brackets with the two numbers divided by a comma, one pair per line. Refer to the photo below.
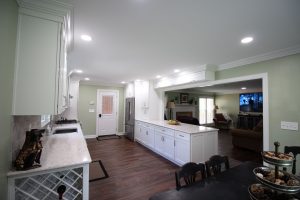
[263,57]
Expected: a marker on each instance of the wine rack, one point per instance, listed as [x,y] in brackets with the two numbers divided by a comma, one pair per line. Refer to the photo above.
[44,186]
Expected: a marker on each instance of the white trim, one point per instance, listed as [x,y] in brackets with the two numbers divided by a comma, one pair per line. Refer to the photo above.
[90,136]
[262,57]
[265,89]
[117,108]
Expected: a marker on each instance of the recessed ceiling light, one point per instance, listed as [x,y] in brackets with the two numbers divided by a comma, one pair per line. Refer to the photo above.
[244,88]
[86,38]
[158,76]
[137,80]
[247,40]
[87,79]
[176,70]
[123,82]
[78,71]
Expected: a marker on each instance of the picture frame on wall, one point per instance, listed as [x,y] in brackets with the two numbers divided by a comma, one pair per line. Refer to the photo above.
[184,98]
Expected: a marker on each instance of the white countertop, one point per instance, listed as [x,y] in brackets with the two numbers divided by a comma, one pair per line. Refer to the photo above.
[186,128]
[61,150]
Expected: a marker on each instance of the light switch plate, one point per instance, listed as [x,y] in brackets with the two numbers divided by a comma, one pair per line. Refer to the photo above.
[289,125]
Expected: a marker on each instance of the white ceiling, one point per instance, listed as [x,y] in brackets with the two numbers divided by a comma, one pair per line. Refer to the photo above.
[142,38]
[227,88]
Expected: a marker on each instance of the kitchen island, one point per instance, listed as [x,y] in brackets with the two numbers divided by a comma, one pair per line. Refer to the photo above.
[178,143]
[64,161]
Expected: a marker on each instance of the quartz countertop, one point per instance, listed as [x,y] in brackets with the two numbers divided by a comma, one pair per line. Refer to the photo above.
[60,151]
[186,128]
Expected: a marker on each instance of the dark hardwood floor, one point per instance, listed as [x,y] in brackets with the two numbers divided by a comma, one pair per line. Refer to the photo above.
[136,173]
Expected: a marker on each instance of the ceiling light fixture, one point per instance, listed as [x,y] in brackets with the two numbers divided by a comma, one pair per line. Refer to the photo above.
[86,38]
[243,88]
[123,82]
[158,76]
[87,79]
[176,70]
[78,71]
[247,40]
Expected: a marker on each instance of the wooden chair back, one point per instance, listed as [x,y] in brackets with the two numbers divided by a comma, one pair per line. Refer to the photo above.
[215,164]
[189,172]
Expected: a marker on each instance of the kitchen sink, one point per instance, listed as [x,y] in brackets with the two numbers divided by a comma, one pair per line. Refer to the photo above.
[66,121]
[65,130]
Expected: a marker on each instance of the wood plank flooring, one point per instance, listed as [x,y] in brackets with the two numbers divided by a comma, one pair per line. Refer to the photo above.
[136,173]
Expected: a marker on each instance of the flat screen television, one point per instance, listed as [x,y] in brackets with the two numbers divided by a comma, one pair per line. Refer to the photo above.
[251,102]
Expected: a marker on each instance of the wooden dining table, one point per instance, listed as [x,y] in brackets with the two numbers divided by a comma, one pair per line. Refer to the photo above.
[231,184]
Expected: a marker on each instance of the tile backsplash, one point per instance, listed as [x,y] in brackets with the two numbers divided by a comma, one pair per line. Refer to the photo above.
[20,125]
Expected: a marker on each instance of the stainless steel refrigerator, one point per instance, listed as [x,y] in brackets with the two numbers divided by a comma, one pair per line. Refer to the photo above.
[129,118]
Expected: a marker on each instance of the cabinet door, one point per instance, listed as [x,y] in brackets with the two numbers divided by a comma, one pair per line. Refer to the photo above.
[210,146]
[138,131]
[168,148]
[150,137]
[37,60]
[62,75]
[197,148]
[182,151]
[158,143]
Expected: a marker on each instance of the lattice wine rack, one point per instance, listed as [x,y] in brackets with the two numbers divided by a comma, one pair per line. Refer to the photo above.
[44,186]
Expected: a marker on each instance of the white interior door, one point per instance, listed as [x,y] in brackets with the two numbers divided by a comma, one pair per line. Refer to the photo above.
[107,116]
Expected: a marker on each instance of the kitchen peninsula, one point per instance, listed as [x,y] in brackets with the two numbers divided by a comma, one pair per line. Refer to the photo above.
[178,143]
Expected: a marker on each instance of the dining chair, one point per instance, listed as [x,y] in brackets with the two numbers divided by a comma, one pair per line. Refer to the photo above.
[295,150]
[216,164]
[189,172]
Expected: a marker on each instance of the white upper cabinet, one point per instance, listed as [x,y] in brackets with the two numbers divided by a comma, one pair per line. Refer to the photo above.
[40,83]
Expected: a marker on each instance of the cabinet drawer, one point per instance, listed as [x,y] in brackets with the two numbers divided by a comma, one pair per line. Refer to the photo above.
[183,136]
[166,131]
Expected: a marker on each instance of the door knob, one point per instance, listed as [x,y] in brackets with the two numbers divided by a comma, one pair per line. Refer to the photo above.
[99,115]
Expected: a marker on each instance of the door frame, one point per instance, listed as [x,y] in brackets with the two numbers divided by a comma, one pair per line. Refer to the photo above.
[117,108]
[265,89]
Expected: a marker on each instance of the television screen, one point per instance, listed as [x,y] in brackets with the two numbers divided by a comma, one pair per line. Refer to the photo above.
[251,102]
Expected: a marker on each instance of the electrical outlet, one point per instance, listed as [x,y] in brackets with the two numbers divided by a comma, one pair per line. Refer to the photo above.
[289,125]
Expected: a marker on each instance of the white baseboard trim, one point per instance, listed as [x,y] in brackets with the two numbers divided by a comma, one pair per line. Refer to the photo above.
[90,136]
[121,133]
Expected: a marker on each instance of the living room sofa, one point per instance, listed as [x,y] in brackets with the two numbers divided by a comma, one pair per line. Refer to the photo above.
[248,139]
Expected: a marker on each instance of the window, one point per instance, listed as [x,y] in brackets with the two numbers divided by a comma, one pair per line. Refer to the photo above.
[206,110]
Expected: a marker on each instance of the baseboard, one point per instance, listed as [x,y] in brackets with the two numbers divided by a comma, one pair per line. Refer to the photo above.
[90,136]
[121,133]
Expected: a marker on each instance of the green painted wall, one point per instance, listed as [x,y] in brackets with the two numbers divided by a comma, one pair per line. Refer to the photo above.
[88,93]
[284,95]
[8,31]
[228,103]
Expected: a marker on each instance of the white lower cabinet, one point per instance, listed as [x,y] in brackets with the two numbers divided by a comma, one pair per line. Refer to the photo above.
[182,151]
[144,133]
[177,146]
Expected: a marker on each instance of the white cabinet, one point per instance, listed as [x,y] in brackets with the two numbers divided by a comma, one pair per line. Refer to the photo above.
[164,142]
[178,146]
[144,133]
[182,148]
[138,131]
[40,69]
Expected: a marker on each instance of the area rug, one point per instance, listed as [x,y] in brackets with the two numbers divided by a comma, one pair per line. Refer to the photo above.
[97,171]
[108,137]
